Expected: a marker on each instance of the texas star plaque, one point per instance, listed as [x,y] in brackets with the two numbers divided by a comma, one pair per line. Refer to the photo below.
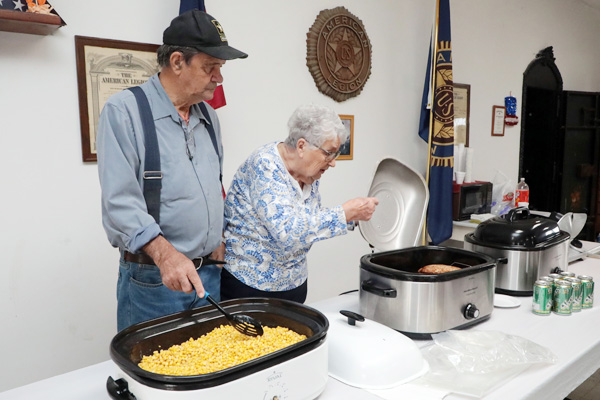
[338,54]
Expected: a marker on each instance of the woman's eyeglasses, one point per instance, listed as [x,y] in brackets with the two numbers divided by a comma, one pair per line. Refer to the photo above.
[330,155]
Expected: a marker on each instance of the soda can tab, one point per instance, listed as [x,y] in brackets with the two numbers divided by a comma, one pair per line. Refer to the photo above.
[562,298]
[542,297]
[577,298]
[567,274]
[587,283]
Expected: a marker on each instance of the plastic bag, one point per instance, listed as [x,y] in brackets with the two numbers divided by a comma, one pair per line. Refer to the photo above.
[503,194]
[476,362]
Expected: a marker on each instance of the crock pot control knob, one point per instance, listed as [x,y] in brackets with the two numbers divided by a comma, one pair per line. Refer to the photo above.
[471,311]
[352,317]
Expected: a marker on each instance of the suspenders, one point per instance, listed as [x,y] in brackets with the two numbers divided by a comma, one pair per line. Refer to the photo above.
[152,172]
[211,132]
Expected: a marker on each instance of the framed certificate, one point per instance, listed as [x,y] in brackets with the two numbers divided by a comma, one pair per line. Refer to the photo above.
[105,67]
[462,108]
[498,114]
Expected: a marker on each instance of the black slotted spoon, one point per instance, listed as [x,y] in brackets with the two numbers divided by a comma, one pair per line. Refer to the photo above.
[242,323]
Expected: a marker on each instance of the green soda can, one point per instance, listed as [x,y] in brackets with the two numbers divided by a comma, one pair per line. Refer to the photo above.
[542,297]
[562,297]
[576,299]
[556,276]
[587,283]
[554,282]
[567,274]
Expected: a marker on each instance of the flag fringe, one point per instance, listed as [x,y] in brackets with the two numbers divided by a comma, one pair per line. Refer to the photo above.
[442,161]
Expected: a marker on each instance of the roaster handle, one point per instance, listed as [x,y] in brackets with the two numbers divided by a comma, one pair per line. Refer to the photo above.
[513,214]
[352,317]
[502,260]
[119,389]
[370,287]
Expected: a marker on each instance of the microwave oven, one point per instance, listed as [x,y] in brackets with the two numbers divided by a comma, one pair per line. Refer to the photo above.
[471,198]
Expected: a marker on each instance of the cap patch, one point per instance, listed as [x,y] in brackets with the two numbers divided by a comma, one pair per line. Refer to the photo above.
[219,29]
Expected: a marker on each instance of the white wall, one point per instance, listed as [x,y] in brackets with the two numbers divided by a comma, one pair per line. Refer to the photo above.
[58,272]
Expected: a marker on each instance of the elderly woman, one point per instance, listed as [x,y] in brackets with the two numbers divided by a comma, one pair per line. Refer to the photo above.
[273,211]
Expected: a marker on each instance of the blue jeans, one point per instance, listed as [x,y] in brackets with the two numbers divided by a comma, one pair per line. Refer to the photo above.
[141,295]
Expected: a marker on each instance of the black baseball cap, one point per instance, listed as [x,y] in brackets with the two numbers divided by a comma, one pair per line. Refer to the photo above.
[200,31]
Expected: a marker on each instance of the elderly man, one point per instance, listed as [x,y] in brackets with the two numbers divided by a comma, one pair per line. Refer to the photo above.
[159,164]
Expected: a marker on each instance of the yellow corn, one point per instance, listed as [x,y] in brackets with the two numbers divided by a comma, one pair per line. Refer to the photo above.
[223,347]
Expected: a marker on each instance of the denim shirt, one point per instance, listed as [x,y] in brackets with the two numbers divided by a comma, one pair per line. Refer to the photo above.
[191,205]
[271,223]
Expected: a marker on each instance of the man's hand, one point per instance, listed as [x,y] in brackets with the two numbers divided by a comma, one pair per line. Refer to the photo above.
[176,270]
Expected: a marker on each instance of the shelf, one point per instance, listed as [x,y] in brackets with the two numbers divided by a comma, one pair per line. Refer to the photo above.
[24,22]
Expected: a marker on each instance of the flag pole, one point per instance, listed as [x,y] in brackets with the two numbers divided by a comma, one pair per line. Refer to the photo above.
[431,109]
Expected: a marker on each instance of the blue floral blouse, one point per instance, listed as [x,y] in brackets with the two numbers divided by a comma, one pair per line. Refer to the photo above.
[271,223]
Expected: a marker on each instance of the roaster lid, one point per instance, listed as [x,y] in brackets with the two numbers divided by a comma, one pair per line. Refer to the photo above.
[398,219]
[369,355]
[518,228]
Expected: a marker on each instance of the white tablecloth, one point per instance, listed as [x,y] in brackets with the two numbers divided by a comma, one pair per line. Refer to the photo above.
[574,339]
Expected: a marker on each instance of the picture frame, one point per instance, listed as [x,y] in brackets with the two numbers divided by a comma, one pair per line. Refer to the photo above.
[106,67]
[498,114]
[347,148]
[462,111]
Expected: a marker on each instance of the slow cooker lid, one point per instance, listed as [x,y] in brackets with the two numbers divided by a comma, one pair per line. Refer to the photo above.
[403,197]
[369,355]
[517,228]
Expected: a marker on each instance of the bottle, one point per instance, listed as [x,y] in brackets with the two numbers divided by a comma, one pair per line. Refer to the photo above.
[522,194]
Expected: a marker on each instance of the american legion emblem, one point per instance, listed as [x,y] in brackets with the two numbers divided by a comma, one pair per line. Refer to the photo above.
[443,108]
[338,54]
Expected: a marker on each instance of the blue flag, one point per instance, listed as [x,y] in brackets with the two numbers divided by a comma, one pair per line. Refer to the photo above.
[438,96]
[187,5]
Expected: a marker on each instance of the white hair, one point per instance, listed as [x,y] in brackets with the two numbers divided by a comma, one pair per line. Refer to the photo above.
[316,124]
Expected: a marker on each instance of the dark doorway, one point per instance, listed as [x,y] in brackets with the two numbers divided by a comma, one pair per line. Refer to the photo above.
[580,128]
[560,144]
[540,136]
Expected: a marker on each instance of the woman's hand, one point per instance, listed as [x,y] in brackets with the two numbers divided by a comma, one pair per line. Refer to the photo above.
[360,209]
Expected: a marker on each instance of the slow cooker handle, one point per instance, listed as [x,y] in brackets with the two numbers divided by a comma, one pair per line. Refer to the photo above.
[369,286]
[512,214]
[352,317]
[119,389]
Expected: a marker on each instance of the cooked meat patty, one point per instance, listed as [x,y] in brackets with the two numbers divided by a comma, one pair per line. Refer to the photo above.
[437,269]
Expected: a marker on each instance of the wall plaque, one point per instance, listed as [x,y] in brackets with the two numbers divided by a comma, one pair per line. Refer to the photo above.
[338,54]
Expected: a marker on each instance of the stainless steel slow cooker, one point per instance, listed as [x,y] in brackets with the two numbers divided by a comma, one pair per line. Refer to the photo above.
[394,293]
[527,246]
[296,372]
